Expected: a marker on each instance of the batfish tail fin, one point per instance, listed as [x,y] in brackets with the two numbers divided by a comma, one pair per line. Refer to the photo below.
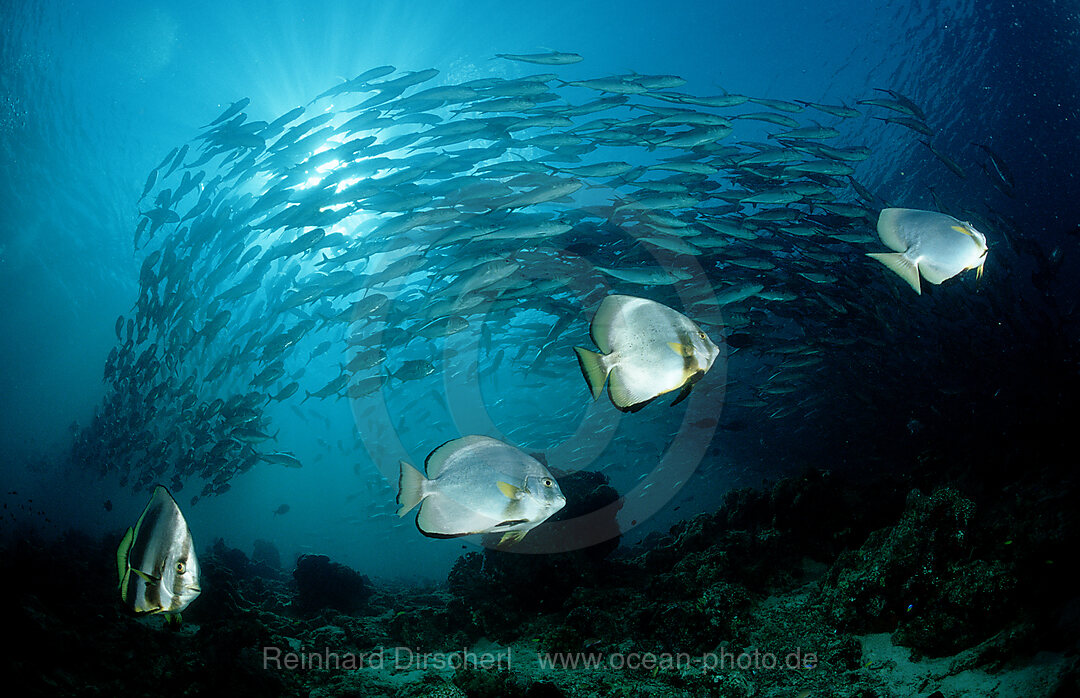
[410,488]
[592,367]
[122,558]
[901,265]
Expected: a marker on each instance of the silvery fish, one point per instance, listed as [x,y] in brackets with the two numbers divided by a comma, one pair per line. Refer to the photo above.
[930,244]
[648,350]
[159,572]
[549,58]
[476,484]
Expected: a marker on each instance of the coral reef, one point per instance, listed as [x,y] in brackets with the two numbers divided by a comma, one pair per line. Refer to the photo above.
[817,586]
[918,579]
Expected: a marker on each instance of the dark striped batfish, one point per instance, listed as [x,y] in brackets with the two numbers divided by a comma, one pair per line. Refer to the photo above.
[159,572]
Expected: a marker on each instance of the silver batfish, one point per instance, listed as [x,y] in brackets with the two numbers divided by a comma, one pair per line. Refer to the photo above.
[648,350]
[928,244]
[476,484]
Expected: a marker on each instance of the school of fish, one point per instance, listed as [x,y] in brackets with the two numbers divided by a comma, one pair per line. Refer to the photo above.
[395,210]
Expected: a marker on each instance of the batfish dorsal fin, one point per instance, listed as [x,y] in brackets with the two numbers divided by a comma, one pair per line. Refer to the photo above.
[602,320]
[436,460]
[888,228]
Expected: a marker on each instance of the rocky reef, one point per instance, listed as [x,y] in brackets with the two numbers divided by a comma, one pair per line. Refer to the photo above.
[817,586]
[321,583]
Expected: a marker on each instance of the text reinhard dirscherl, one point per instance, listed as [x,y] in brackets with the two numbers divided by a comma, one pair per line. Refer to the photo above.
[406,659]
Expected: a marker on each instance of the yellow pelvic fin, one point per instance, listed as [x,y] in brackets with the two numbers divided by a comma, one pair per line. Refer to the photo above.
[512,537]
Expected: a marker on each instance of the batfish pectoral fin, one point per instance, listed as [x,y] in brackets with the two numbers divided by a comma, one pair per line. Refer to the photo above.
[901,266]
[684,350]
[509,491]
[149,579]
[605,317]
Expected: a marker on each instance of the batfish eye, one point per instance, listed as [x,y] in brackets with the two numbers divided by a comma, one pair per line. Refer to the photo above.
[180,567]
[701,334]
[548,482]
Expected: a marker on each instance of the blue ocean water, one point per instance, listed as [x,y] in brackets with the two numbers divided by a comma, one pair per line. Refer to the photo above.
[95,94]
